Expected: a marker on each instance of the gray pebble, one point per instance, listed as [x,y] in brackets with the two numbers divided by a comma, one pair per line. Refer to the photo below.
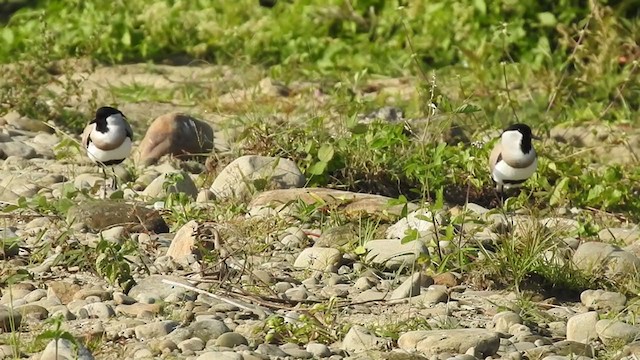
[281,287]
[82,314]
[434,296]
[291,241]
[504,320]
[270,350]
[514,355]
[299,293]
[295,352]
[167,344]
[364,283]
[122,299]
[65,349]
[18,149]
[180,334]
[208,329]
[99,310]
[311,282]
[522,346]
[35,295]
[143,354]
[191,345]
[231,340]
[224,307]
[219,355]
[335,279]
[155,330]
[340,291]
[32,311]
[318,350]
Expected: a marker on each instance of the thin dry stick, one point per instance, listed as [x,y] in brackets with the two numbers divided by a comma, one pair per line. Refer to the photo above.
[552,99]
[259,310]
[506,86]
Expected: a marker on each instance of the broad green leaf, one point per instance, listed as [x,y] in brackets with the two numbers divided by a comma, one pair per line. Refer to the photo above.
[69,337]
[358,129]
[481,5]
[325,153]
[8,36]
[466,109]
[410,235]
[360,250]
[595,192]
[559,192]
[399,200]
[19,276]
[439,199]
[47,335]
[317,168]
[126,38]
[260,184]
[10,208]
[547,19]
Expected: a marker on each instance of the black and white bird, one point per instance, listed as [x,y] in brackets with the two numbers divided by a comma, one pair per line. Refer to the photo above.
[513,159]
[108,138]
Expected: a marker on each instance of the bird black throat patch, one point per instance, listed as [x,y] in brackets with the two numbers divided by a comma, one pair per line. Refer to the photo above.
[101,126]
[525,145]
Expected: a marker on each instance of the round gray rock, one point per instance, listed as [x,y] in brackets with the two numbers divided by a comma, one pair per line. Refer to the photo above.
[253,172]
[231,340]
[434,342]
[65,350]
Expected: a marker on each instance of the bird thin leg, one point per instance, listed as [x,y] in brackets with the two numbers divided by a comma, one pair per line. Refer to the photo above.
[104,184]
[499,192]
[115,180]
[501,198]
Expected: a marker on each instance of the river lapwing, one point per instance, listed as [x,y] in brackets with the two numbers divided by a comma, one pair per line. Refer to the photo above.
[513,159]
[108,139]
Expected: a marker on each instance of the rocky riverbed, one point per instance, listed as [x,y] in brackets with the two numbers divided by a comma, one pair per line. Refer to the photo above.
[244,262]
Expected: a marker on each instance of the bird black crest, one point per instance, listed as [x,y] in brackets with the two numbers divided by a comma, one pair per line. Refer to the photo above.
[101,117]
[522,128]
[104,112]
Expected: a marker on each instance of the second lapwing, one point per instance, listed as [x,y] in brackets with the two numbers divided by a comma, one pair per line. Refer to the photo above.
[513,159]
[108,138]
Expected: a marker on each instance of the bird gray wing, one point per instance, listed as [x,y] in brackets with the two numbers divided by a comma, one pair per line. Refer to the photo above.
[86,134]
[496,155]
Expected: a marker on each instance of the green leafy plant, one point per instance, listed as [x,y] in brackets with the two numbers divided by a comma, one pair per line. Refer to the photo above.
[112,263]
[319,324]
[531,256]
[56,333]
[394,329]
[43,205]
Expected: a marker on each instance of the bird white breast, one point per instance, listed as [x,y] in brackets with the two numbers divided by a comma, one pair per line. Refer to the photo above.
[511,140]
[116,130]
[98,155]
[502,171]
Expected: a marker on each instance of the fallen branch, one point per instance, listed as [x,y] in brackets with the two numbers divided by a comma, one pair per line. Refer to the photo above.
[262,313]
